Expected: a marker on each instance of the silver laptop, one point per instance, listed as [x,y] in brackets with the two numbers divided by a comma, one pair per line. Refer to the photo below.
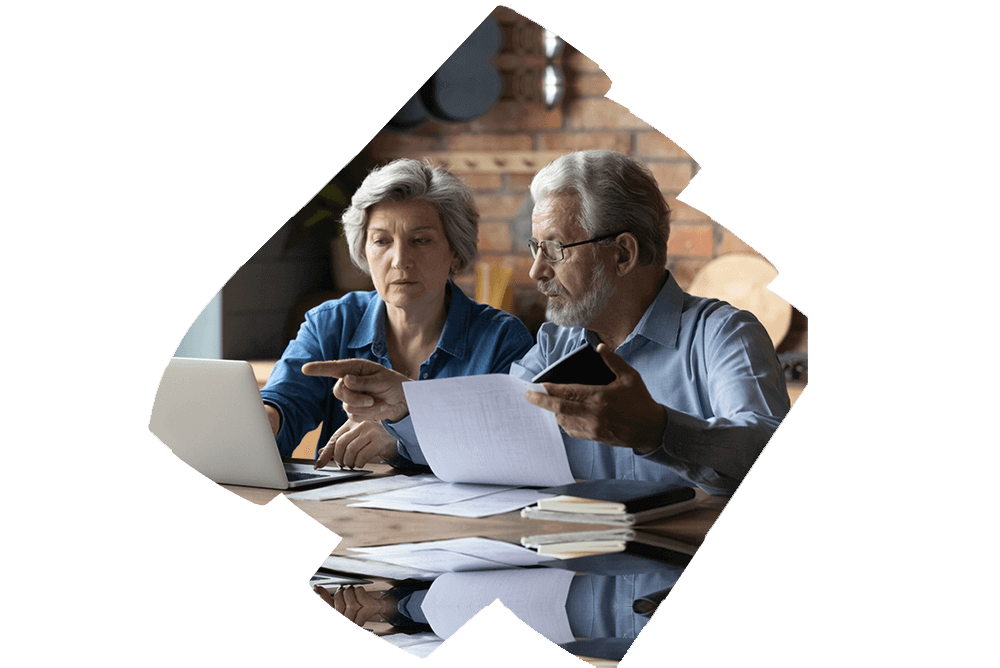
[209,412]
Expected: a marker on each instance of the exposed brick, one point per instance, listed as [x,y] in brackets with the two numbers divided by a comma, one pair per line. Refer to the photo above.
[655,145]
[730,243]
[586,120]
[483,181]
[576,61]
[508,115]
[685,269]
[499,206]
[495,237]
[602,113]
[521,182]
[397,145]
[672,176]
[490,142]
[684,213]
[587,84]
[690,241]
[579,141]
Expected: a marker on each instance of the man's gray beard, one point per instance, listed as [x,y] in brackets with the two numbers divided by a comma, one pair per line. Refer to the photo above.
[584,311]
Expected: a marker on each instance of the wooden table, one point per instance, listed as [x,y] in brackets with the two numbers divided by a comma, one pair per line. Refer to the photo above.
[367,527]
[363,527]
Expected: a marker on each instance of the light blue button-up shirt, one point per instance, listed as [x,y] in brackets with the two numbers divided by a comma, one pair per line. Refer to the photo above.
[710,364]
[476,339]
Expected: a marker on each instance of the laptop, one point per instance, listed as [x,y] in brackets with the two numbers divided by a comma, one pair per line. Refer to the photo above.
[209,412]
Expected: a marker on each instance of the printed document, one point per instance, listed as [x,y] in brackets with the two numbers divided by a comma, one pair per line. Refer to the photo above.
[481,429]
[537,596]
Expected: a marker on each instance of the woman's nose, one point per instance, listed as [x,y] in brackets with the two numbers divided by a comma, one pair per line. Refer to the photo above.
[401,257]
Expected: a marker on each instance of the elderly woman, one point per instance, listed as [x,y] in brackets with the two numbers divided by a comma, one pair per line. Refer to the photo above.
[412,227]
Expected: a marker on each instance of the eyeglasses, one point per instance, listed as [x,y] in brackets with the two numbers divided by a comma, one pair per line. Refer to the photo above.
[552,251]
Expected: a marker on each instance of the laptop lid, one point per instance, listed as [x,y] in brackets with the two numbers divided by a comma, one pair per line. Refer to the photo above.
[209,412]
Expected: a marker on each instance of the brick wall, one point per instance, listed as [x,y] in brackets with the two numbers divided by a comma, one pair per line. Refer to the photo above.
[497,155]
[585,120]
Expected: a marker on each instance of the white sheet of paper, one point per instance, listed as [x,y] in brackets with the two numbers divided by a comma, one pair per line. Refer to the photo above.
[363,487]
[440,561]
[481,429]
[441,493]
[498,552]
[419,644]
[377,569]
[537,596]
[483,506]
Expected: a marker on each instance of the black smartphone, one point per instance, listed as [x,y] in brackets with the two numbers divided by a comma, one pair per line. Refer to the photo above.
[582,366]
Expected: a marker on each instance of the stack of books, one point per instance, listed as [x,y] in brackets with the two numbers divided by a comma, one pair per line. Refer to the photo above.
[609,541]
[613,502]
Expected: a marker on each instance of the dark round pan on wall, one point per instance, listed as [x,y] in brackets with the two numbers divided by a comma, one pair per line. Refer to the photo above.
[467,85]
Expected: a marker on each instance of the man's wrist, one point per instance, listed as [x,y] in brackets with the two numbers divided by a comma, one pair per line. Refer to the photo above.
[651,438]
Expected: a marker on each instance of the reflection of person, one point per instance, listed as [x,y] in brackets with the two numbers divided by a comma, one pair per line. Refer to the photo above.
[411,226]
[610,597]
[699,390]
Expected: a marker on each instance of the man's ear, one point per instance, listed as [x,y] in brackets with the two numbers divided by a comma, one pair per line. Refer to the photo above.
[627,247]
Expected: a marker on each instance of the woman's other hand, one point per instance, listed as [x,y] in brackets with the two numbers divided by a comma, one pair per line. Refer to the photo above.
[357,443]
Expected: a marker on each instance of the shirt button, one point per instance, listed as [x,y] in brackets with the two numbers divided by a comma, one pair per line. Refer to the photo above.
[424,375]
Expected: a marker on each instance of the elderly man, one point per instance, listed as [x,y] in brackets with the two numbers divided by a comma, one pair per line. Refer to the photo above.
[698,390]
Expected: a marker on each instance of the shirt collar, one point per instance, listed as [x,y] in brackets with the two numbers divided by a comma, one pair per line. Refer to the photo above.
[371,330]
[454,338]
[661,322]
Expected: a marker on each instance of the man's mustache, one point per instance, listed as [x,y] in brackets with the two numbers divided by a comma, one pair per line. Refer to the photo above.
[551,288]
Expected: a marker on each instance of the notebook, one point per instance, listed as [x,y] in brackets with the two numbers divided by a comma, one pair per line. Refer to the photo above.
[209,412]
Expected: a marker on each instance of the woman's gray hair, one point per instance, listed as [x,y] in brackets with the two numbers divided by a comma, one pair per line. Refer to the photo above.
[404,180]
[613,193]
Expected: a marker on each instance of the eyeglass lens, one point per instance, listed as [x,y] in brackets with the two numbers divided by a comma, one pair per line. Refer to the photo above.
[551,250]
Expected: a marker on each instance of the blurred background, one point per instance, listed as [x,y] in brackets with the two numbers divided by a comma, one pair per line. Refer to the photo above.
[511,98]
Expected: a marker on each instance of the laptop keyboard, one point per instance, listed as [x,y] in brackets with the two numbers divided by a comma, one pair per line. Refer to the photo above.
[298,476]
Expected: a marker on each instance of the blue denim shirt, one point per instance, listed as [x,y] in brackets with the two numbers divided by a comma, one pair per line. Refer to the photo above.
[476,339]
[710,364]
